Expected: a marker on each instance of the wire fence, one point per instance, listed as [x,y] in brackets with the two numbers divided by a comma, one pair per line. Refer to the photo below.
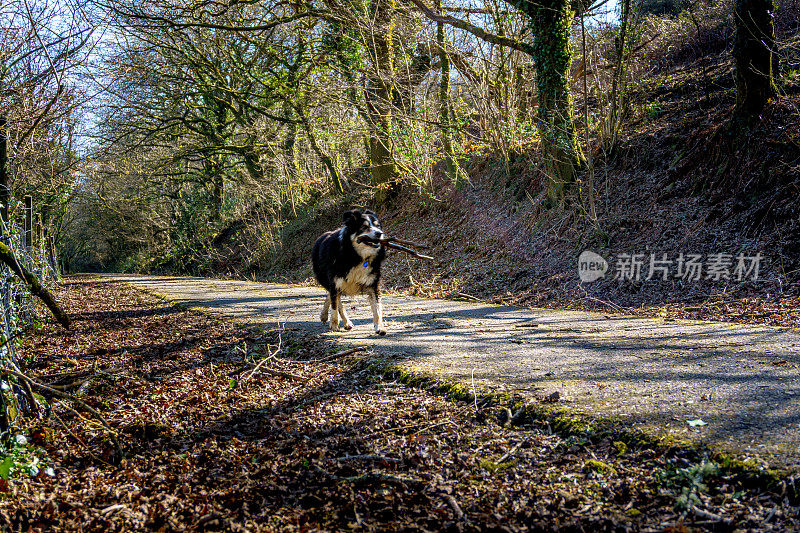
[17,314]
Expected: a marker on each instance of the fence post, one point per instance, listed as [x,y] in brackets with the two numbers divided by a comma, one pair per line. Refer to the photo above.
[51,251]
[28,221]
[5,191]
[38,241]
[4,418]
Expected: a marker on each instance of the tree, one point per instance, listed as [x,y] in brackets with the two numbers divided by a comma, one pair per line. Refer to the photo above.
[379,95]
[550,22]
[444,99]
[756,60]
[202,98]
[43,52]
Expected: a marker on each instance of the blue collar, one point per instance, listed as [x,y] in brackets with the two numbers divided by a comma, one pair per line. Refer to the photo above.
[366,263]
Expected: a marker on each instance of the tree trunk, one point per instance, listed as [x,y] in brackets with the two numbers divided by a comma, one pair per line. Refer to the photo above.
[551,20]
[379,93]
[619,76]
[290,148]
[754,53]
[215,179]
[36,288]
[336,179]
[290,156]
[290,141]
[444,100]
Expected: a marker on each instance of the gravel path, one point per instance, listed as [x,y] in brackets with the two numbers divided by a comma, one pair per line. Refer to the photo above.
[741,381]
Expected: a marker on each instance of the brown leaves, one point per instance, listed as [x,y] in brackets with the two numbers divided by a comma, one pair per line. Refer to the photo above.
[339,450]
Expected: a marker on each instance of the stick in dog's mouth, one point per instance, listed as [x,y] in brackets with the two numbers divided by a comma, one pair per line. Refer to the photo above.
[392,242]
[369,241]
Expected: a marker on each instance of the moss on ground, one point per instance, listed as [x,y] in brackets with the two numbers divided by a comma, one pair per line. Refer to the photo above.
[600,467]
[565,422]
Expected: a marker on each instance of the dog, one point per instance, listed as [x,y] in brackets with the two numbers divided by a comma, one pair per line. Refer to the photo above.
[345,266]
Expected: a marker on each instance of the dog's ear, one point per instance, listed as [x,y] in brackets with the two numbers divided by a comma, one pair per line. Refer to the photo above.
[351,217]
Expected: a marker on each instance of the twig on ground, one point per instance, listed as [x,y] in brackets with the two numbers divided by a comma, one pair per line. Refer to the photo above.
[208,518]
[343,353]
[454,504]
[607,304]
[112,508]
[72,398]
[706,514]
[78,439]
[368,457]
[121,374]
[267,358]
[371,476]
[73,385]
[510,452]
[474,394]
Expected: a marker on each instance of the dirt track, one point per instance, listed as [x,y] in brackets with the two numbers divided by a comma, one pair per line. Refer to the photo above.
[742,381]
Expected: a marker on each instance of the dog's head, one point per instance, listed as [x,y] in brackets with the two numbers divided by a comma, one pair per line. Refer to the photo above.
[363,224]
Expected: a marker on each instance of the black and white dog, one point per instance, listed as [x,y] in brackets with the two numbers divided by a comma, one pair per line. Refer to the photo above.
[345,266]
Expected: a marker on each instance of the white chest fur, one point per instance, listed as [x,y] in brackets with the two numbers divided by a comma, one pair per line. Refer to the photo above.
[357,279]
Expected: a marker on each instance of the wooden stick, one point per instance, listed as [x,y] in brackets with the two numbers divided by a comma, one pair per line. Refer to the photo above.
[510,452]
[267,358]
[342,354]
[408,251]
[368,457]
[407,243]
[72,398]
[390,242]
[454,504]
[74,436]
[386,240]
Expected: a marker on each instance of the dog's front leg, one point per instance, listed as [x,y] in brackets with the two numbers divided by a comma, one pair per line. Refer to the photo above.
[323,316]
[377,310]
[335,299]
[348,324]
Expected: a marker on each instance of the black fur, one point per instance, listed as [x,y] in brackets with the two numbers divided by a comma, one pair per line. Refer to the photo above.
[339,265]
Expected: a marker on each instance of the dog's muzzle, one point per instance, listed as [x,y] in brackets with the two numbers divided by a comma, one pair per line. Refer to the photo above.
[368,237]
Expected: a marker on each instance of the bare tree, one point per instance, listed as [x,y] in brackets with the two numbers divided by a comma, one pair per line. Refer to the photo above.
[755,56]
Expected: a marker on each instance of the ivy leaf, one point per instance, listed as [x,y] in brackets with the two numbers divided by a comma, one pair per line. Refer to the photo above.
[5,467]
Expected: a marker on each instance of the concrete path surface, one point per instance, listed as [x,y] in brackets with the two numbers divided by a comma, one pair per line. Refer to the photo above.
[741,381]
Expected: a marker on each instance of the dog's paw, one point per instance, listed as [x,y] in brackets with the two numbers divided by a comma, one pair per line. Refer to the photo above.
[323,318]
[348,325]
[334,327]
[381,331]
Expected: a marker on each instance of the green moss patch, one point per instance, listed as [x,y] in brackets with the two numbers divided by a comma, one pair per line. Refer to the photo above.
[567,423]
